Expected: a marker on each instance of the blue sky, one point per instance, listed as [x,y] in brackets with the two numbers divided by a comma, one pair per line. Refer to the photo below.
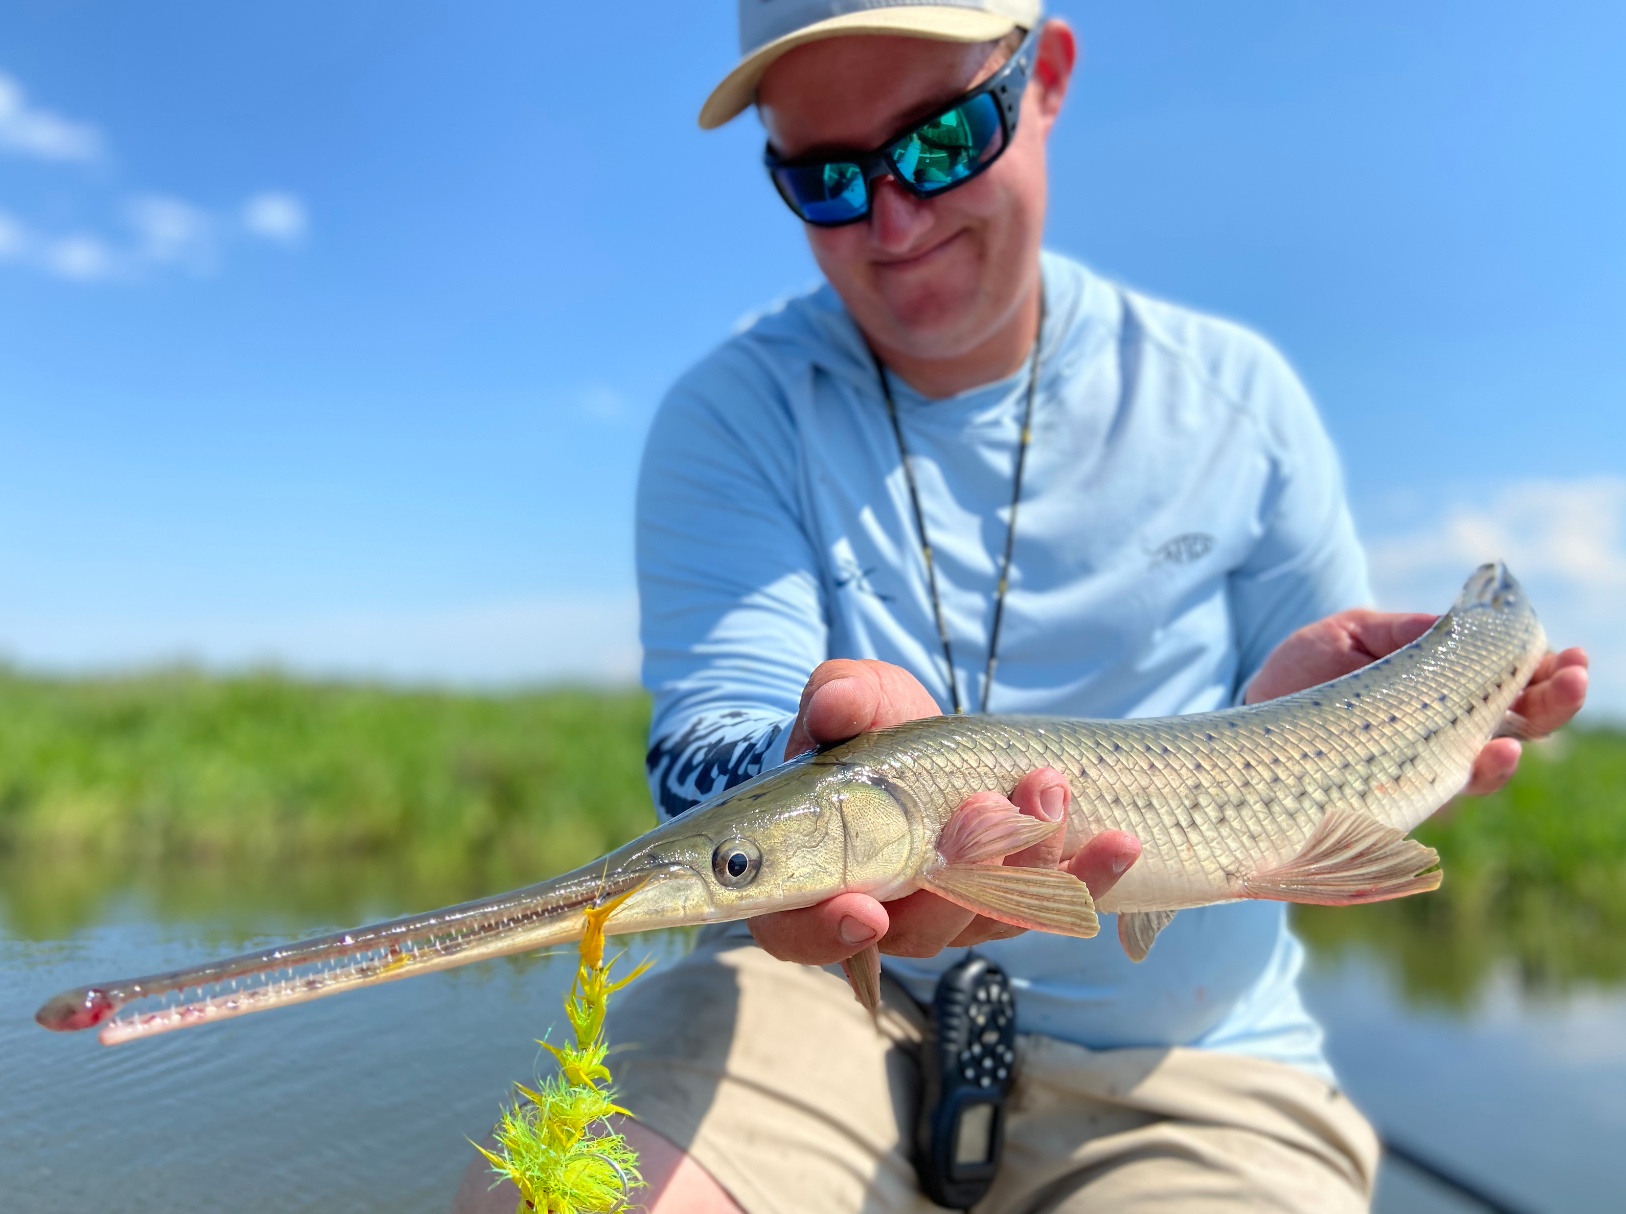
[329,332]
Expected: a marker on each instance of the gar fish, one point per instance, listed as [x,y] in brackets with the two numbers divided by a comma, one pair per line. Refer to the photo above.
[1306,798]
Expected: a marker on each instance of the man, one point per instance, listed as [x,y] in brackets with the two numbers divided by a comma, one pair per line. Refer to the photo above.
[841,526]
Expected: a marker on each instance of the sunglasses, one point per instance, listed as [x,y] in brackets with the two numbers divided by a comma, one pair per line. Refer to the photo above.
[927,159]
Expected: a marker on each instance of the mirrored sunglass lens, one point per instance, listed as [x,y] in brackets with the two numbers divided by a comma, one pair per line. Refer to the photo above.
[952,146]
[823,193]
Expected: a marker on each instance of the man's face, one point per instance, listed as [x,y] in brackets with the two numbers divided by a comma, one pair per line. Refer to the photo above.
[928,279]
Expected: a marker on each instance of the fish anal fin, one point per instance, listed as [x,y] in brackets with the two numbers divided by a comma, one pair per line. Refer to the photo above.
[986,830]
[863,970]
[1044,899]
[1350,858]
[1138,929]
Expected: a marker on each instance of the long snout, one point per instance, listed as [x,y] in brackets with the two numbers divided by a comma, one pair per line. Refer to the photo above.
[534,917]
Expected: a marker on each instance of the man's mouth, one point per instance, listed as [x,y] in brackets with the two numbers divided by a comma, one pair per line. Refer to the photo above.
[918,259]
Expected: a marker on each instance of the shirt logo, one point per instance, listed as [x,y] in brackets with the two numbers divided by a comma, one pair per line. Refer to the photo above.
[1184,549]
[848,572]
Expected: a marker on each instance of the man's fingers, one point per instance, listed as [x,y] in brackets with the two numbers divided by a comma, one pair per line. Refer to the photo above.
[1557,691]
[840,709]
[1494,767]
[821,935]
[1380,633]
[984,929]
[1104,859]
[1042,794]
[923,925]
[845,697]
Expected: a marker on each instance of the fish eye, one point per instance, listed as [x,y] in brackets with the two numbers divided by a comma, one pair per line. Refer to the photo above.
[735,862]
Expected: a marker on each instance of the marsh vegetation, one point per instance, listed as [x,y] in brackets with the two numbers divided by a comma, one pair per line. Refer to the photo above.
[225,797]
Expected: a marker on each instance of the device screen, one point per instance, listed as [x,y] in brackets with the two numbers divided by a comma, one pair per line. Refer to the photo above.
[973,1137]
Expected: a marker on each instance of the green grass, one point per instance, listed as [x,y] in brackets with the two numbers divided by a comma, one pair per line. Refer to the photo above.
[289,789]
[1535,878]
[243,796]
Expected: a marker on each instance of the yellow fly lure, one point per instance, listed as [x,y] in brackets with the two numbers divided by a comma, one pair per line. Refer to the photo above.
[547,1144]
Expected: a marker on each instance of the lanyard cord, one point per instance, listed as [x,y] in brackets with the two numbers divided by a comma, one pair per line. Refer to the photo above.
[1010,531]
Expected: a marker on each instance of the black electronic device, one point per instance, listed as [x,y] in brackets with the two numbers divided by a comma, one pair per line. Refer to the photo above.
[968,1060]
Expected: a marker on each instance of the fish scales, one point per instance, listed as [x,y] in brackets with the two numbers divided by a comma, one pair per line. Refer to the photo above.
[1303,798]
[1215,797]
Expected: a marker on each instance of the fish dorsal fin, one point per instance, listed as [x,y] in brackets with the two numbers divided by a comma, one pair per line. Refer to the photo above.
[1350,858]
[987,830]
[1138,929]
[1046,899]
[863,970]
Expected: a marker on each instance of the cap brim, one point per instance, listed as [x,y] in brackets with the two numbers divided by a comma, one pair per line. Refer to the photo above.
[942,24]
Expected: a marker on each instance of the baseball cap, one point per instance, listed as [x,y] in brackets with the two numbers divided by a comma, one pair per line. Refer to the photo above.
[769,28]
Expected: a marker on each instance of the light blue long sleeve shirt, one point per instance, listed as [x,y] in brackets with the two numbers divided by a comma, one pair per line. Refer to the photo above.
[1182,511]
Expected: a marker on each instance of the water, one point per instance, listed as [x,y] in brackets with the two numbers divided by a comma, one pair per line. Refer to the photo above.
[364,1102]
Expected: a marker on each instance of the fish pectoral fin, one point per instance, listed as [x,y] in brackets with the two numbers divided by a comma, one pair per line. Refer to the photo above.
[1350,858]
[1045,899]
[863,970]
[1138,929]
[984,831]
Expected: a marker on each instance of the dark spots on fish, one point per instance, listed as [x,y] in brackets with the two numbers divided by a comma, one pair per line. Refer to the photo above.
[1343,765]
[1247,763]
[1393,718]
[1304,754]
[1115,746]
[1276,758]
[1470,710]
[1209,736]
[1442,697]
[1267,728]
[1319,753]
[1233,725]
[1315,703]
[1365,726]
[1349,703]
[1513,672]
[1452,721]
[1167,751]
[1275,779]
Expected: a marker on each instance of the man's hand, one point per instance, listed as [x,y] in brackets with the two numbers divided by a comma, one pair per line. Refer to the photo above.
[1349,640]
[845,698]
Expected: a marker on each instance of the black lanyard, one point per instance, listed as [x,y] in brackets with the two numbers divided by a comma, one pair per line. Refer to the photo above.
[1010,532]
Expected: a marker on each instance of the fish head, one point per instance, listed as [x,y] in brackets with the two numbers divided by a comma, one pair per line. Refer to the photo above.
[791,837]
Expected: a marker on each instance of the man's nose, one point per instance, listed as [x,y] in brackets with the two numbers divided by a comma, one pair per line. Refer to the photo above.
[897,218]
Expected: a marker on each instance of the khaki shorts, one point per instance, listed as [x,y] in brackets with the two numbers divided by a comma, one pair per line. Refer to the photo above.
[774,1079]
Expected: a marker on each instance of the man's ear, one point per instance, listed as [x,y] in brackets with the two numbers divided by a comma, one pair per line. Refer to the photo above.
[1053,68]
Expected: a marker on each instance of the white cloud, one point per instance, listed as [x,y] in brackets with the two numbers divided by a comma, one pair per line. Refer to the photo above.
[275,216]
[161,231]
[28,131]
[13,239]
[578,637]
[171,231]
[602,401]
[77,258]
[1565,540]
